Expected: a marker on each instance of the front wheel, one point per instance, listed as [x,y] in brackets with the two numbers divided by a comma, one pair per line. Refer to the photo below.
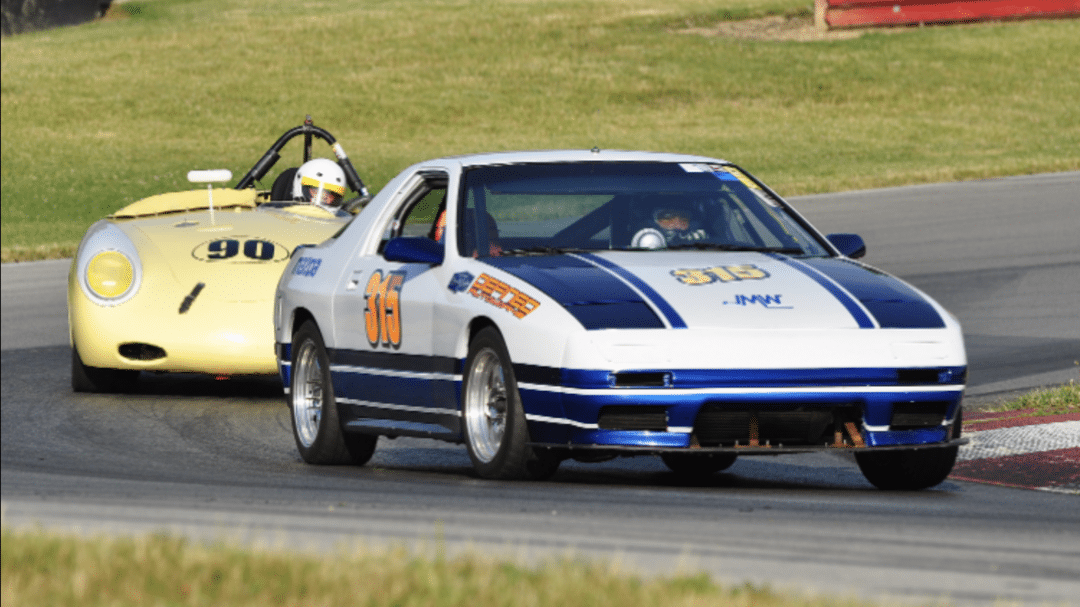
[496,434]
[85,378]
[316,426]
[907,470]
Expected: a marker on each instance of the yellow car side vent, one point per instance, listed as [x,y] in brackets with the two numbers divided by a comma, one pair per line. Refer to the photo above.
[139,351]
[190,298]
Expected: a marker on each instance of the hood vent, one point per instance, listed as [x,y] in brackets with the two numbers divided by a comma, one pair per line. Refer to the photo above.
[190,298]
[640,379]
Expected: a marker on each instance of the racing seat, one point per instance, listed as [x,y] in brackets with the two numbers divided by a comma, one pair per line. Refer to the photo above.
[282,189]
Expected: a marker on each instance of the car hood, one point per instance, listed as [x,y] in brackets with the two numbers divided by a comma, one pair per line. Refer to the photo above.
[741,290]
[238,254]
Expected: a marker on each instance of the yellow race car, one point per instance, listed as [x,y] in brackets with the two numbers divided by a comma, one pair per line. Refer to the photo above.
[184,281]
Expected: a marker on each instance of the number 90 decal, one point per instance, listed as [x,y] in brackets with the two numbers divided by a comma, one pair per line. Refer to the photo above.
[240,249]
[382,309]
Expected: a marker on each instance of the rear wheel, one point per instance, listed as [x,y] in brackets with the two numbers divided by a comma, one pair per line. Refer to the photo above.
[96,379]
[496,434]
[316,426]
[698,465]
[906,470]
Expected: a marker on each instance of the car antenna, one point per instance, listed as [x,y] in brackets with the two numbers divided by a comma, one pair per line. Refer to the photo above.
[596,131]
[308,123]
[209,178]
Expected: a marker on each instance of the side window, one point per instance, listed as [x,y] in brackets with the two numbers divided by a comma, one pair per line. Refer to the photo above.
[420,220]
[420,210]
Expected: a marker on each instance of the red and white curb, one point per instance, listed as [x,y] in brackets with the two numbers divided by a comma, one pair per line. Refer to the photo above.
[1020,449]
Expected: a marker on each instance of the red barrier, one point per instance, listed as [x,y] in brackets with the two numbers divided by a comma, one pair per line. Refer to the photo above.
[863,13]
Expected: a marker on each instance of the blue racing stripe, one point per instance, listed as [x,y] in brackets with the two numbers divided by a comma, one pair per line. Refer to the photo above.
[427,382]
[857,312]
[593,295]
[657,300]
[894,304]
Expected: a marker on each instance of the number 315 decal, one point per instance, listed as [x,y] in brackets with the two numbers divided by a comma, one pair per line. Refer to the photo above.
[382,309]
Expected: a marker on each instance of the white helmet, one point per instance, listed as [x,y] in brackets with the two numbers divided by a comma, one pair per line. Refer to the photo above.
[320,182]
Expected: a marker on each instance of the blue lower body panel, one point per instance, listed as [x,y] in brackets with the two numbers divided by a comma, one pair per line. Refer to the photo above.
[798,418]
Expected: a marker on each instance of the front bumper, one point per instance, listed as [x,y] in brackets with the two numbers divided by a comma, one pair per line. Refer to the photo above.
[744,419]
[150,334]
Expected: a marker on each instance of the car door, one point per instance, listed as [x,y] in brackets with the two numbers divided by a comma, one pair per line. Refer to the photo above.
[390,376]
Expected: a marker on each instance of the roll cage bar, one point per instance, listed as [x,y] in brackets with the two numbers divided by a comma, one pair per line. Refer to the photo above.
[308,130]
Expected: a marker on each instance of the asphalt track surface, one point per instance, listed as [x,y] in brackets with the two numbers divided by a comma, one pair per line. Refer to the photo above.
[216,460]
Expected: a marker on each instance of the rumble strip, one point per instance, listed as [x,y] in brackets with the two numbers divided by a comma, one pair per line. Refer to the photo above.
[1015,449]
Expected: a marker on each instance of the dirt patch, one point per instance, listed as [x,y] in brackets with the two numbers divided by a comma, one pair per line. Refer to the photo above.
[792,29]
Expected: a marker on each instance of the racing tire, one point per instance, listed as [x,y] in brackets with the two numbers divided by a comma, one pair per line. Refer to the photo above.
[907,470]
[316,425]
[496,434]
[698,465]
[85,378]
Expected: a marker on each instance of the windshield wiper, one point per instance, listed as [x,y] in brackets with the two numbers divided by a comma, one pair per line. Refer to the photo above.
[710,246]
[526,251]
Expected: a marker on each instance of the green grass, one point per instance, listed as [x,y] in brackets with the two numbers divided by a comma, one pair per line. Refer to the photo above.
[1045,401]
[40,568]
[102,114]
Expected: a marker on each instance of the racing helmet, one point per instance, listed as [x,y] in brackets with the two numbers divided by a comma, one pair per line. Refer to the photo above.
[320,182]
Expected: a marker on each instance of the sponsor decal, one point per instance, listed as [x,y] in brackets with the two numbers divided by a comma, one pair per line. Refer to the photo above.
[704,276]
[502,295]
[772,302]
[702,167]
[721,172]
[307,266]
[460,282]
[240,249]
[382,309]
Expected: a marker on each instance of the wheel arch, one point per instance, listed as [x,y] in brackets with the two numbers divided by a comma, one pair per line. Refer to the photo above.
[297,319]
[474,326]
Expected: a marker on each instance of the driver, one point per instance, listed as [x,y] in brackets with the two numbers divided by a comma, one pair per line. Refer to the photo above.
[671,226]
[320,182]
[494,248]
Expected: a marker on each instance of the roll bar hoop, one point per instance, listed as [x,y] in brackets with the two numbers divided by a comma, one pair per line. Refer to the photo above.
[263,166]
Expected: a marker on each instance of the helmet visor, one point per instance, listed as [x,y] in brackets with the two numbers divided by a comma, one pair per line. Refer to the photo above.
[322,193]
[672,219]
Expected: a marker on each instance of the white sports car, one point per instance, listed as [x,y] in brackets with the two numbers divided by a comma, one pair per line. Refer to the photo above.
[540,306]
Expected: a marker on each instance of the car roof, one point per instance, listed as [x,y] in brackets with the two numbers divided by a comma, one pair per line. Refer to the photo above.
[554,156]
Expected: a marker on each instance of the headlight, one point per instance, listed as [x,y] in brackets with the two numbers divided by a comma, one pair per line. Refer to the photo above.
[108,266]
[110,274]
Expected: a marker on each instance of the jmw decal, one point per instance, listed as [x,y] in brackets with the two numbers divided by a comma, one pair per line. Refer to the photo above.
[771,302]
[501,295]
[704,276]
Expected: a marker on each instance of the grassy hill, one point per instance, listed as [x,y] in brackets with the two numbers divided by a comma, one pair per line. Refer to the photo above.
[102,114]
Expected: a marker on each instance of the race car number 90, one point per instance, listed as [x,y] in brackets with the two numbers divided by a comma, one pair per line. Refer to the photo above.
[382,309]
[240,249]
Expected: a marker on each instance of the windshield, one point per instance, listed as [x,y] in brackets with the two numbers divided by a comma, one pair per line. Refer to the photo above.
[536,209]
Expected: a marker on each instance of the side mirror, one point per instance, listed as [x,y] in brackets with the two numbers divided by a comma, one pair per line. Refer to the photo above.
[851,245]
[210,178]
[415,249]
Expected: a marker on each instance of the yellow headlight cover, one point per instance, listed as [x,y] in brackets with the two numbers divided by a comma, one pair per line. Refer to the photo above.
[110,274]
